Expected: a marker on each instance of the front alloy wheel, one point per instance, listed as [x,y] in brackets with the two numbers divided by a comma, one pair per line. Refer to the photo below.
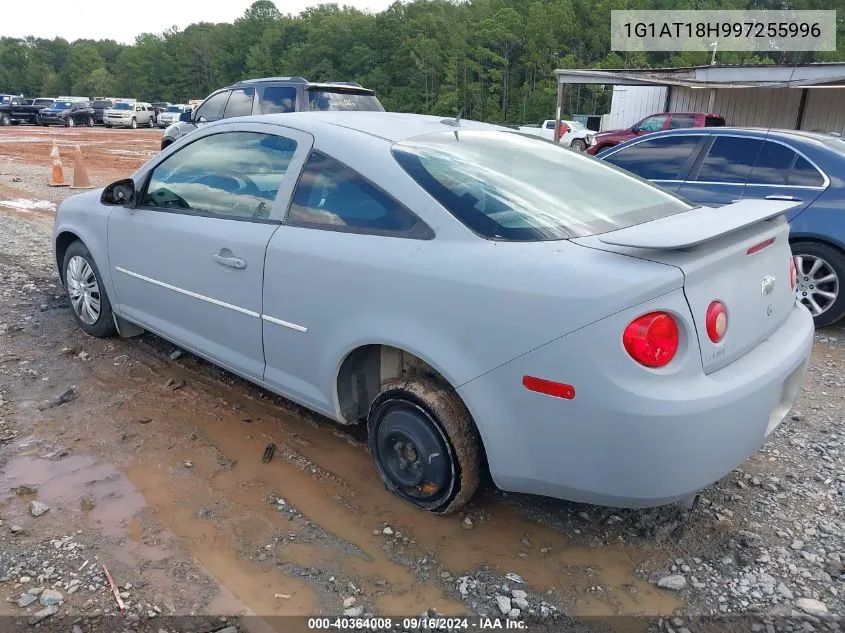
[820,269]
[578,145]
[70,122]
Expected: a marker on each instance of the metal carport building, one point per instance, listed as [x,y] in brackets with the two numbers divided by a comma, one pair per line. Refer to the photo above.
[803,97]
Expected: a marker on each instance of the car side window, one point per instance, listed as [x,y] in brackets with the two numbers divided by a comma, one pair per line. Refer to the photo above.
[681,120]
[773,164]
[550,125]
[240,103]
[730,159]
[279,99]
[658,158]
[652,123]
[332,196]
[232,175]
[212,109]
[804,174]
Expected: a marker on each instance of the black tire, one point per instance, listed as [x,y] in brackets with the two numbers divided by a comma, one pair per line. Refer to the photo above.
[4,119]
[134,124]
[104,325]
[70,122]
[414,422]
[107,125]
[45,125]
[834,259]
[166,142]
[578,145]
[90,121]
[152,122]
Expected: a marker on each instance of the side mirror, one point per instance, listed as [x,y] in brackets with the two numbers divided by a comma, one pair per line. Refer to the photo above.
[185,117]
[120,193]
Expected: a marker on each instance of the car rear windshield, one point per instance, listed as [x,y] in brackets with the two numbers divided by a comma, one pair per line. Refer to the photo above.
[123,106]
[714,121]
[508,186]
[343,100]
[62,105]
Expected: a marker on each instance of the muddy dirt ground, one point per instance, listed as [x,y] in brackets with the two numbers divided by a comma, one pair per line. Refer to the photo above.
[149,460]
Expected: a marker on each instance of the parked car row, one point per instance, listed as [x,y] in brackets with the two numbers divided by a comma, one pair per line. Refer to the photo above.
[71,111]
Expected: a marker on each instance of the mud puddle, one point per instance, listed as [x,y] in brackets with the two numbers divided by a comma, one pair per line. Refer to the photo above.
[198,465]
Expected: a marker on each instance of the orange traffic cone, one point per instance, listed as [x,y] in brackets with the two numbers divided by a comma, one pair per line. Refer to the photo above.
[80,171]
[58,177]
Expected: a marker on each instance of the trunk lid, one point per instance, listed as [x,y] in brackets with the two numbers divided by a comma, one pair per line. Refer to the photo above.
[738,254]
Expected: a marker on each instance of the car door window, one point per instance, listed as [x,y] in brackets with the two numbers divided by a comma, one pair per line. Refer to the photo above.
[773,164]
[730,159]
[279,99]
[332,196]
[652,123]
[550,125]
[233,175]
[681,120]
[240,103]
[804,174]
[657,158]
[212,109]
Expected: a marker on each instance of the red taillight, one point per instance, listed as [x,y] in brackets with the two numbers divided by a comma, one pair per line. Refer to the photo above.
[652,339]
[793,273]
[717,321]
[759,247]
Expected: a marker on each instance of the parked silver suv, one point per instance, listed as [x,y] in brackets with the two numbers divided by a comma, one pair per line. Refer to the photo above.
[271,95]
[130,115]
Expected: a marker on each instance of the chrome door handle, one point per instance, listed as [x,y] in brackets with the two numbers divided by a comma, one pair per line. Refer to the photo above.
[783,197]
[229,260]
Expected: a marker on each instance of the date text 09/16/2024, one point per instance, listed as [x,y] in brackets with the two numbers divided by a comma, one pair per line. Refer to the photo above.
[414,624]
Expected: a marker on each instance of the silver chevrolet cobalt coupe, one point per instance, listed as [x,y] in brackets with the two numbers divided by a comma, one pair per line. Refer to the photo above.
[477,298]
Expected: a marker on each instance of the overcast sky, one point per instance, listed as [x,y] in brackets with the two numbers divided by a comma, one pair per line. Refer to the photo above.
[122,20]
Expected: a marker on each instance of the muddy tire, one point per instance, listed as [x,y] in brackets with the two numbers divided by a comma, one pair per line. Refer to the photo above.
[424,444]
[86,293]
[134,124]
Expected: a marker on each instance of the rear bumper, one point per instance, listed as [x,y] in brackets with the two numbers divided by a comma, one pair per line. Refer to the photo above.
[641,442]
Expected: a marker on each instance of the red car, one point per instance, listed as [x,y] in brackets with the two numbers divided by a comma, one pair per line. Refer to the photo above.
[655,123]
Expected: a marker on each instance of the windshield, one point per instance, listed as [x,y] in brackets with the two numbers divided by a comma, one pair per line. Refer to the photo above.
[99,105]
[5,98]
[327,100]
[576,126]
[61,105]
[173,109]
[43,102]
[508,186]
[123,106]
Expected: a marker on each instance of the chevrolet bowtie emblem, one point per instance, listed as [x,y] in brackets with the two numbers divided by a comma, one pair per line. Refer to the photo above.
[768,285]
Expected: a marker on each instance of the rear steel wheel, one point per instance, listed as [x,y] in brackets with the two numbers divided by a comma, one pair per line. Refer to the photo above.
[820,271]
[424,444]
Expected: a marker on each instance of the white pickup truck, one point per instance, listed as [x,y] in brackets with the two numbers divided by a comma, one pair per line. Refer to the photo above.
[573,134]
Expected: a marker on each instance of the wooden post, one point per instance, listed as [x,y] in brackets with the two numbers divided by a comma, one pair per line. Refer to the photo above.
[558,109]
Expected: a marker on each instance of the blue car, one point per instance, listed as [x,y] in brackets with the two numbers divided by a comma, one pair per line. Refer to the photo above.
[718,166]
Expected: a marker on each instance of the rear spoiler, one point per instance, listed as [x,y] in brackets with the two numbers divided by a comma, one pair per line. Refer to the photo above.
[696,226]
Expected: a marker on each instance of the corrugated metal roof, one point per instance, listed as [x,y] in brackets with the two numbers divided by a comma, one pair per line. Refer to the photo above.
[770,76]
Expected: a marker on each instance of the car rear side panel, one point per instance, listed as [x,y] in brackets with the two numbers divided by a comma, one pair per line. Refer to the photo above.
[631,436]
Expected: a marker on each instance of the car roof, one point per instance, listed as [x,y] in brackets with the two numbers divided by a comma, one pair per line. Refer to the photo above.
[390,126]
